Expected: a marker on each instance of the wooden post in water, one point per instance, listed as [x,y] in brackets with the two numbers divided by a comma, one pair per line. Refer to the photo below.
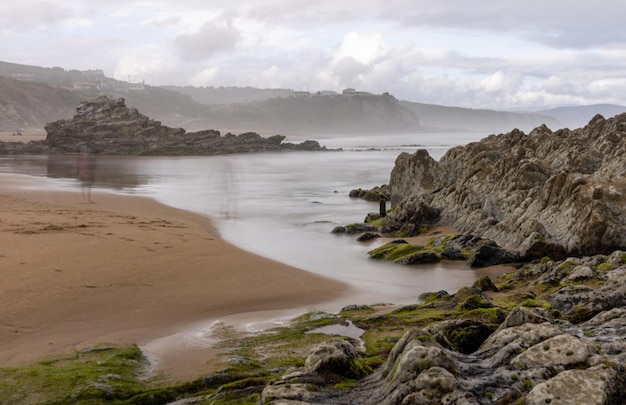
[382,200]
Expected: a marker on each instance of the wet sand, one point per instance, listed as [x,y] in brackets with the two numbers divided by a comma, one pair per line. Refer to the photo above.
[125,270]
[26,136]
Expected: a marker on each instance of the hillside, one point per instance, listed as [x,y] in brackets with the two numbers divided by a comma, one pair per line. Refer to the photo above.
[477,120]
[229,95]
[578,116]
[332,114]
[31,96]
[30,105]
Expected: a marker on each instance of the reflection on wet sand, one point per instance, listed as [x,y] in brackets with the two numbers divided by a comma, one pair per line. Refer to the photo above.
[86,170]
[225,184]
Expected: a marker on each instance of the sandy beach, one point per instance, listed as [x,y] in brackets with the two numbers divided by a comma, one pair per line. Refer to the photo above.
[123,270]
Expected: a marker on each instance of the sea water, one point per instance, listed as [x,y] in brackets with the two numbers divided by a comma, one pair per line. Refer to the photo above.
[282,205]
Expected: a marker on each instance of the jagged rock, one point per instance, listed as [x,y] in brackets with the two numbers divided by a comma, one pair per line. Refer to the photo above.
[419,258]
[580,302]
[566,188]
[411,172]
[367,236]
[354,228]
[489,255]
[485,283]
[595,385]
[564,351]
[110,127]
[521,315]
[336,355]
[374,194]
[417,216]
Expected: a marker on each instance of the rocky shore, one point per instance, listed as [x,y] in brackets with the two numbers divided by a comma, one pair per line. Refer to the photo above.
[547,333]
[564,188]
[106,126]
[551,331]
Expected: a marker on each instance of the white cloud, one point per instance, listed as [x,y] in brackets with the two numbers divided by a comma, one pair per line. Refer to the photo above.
[484,53]
[214,36]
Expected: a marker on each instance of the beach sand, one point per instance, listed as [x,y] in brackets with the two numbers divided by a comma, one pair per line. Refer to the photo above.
[125,270]
[27,136]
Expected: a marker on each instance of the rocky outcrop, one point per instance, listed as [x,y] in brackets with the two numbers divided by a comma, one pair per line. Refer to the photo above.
[535,355]
[564,190]
[109,127]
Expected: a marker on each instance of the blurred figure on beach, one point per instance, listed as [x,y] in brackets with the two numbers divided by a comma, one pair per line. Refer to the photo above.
[86,170]
[225,181]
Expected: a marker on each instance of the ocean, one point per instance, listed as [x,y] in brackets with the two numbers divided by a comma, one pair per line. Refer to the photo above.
[282,205]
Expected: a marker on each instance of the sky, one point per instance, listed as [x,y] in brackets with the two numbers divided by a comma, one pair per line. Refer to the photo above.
[496,54]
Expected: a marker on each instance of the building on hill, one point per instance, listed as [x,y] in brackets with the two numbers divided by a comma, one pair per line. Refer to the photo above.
[96,73]
[23,77]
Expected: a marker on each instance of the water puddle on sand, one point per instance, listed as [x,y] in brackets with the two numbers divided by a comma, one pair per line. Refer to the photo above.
[342,328]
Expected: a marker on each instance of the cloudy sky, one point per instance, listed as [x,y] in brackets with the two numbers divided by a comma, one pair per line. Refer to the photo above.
[471,53]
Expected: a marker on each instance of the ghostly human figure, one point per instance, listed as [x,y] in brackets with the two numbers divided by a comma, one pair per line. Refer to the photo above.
[86,171]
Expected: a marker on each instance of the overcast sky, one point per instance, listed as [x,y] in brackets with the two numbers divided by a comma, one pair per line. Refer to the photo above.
[473,53]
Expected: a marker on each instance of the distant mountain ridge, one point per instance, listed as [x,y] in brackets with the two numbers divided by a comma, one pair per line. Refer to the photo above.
[578,116]
[477,120]
[31,96]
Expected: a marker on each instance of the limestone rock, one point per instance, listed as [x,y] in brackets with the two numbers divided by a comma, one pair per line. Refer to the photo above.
[592,386]
[564,190]
[336,356]
[564,351]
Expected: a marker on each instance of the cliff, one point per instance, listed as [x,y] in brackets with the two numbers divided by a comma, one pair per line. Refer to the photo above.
[565,187]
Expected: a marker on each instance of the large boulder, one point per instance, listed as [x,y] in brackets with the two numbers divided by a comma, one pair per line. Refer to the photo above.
[564,190]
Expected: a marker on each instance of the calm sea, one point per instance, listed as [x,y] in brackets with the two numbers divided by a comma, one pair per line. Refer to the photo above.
[281,205]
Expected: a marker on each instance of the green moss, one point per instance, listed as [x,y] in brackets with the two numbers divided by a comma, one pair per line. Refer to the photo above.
[545,260]
[493,315]
[580,314]
[105,373]
[567,264]
[532,303]
[378,222]
[528,384]
[394,251]
[605,267]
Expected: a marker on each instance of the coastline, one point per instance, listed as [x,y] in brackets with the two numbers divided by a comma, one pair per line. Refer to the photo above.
[124,270]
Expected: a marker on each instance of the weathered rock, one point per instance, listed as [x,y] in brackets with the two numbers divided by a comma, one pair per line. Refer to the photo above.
[354,228]
[109,127]
[412,172]
[336,356]
[564,189]
[565,351]
[374,194]
[598,385]
[485,283]
[419,258]
[367,236]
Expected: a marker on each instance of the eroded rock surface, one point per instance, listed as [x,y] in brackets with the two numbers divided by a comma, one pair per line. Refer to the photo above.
[564,189]
[535,355]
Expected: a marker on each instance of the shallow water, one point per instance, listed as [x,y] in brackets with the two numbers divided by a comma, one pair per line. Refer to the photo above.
[282,205]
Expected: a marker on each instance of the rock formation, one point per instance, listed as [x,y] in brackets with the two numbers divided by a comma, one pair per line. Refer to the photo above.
[109,127]
[554,188]
[569,351]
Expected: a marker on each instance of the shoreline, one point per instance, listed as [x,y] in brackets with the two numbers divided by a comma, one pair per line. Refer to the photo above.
[125,270]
